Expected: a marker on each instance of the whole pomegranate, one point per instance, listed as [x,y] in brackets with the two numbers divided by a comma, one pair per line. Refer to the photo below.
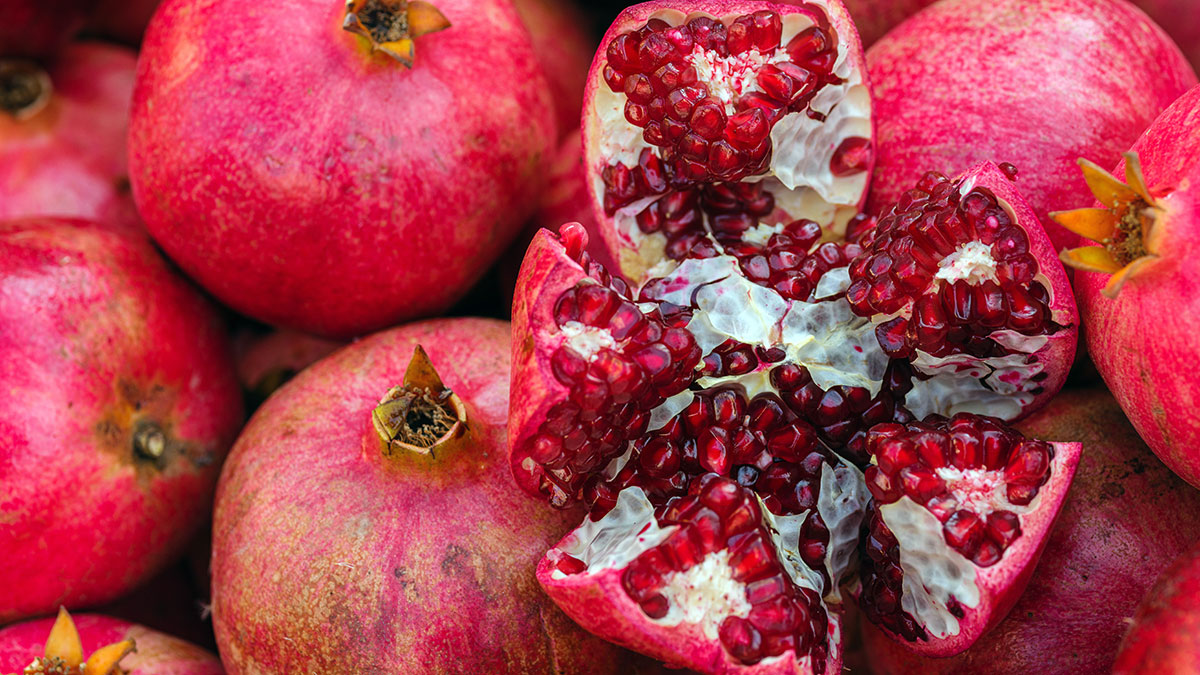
[1039,83]
[266,362]
[62,135]
[121,403]
[366,521]
[39,28]
[1124,521]
[1138,290]
[563,46]
[1165,636]
[59,645]
[280,152]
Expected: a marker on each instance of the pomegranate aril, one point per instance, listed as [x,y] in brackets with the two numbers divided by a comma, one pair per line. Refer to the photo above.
[741,639]
[964,531]
[852,156]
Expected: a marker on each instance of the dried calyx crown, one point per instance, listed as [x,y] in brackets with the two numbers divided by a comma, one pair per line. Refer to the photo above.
[421,416]
[391,26]
[24,89]
[64,652]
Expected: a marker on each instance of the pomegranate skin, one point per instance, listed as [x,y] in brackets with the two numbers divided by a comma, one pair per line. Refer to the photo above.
[328,559]
[1123,522]
[975,105]
[1165,636]
[1142,367]
[265,362]
[563,47]
[874,18]
[69,158]
[287,220]
[157,653]
[102,344]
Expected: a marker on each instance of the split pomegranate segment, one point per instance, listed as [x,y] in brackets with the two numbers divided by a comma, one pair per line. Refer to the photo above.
[960,513]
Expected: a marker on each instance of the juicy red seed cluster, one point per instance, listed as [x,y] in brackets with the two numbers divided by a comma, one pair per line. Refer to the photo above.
[700,141]
[907,458]
[720,515]
[881,579]
[841,414]
[929,223]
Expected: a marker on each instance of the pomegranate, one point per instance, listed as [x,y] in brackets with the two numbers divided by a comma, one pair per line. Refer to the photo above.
[53,646]
[1125,519]
[171,602]
[121,404]
[1142,277]
[277,175]
[39,28]
[122,20]
[987,85]
[1165,636]
[563,46]
[62,135]
[874,18]
[360,534]
[715,116]
[266,362]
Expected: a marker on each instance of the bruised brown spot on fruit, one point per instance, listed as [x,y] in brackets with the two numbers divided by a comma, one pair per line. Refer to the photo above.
[137,428]
[422,416]
[24,89]
[391,26]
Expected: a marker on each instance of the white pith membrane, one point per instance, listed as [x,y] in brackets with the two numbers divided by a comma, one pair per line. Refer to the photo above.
[799,175]
[935,573]
[705,594]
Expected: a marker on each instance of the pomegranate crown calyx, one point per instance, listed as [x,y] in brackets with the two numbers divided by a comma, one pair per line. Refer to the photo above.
[1128,226]
[421,416]
[391,26]
[64,652]
[25,89]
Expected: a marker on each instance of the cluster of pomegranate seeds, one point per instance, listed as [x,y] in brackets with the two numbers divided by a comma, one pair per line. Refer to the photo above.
[954,268]
[675,80]
[721,517]
[625,362]
[968,471]
[882,582]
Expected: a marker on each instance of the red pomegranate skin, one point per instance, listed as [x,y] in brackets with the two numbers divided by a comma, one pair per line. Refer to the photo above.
[312,185]
[1143,367]
[1038,83]
[98,338]
[328,557]
[1165,636]
[874,18]
[1125,519]
[157,653]
[39,28]
[564,47]
[69,158]
[264,362]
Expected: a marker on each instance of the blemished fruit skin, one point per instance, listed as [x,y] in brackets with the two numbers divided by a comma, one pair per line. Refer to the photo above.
[327,557]
[102,346]
[157,653]
[313,185]
[1038,83]
[1144,338]
[1125,519]
[68,159]
[1165,636]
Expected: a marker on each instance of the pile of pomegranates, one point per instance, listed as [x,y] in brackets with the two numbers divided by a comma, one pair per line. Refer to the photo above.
[550,337]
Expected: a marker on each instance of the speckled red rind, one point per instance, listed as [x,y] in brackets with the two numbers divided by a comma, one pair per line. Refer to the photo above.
[314,186]
[1165,636]
[1146,341]
[600,604]
[69,159]
[157,653]
[1038,83]
[329,559]
[1059,352]
[634,18]
[1125,519]
[96,334]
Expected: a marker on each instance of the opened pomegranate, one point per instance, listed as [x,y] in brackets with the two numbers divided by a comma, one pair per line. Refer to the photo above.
[563,46]
[280,151]
[365,521]
[1125,519]
[1138,288]
[121,404]
[111,646]
[1165,635]
[62,135]
[1042,86]
[39,28]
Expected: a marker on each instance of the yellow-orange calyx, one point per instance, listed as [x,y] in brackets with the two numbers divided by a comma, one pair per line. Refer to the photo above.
[1128,227]
[391,26]
[422,416]
[64,653]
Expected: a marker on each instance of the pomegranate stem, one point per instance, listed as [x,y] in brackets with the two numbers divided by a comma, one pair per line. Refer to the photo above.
[422,415]
[391,26]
